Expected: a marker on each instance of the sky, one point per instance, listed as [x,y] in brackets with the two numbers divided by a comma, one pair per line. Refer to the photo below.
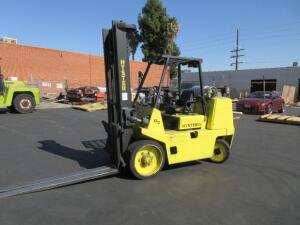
[269,29]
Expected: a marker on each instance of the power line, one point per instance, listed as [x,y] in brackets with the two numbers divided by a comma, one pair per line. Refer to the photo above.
[260,37]
[248,39]
[253,31]
[236,51]
[270,61]
[211,45]
[205,41]
[279,26]
[258,41]
[252,35]
[209,37]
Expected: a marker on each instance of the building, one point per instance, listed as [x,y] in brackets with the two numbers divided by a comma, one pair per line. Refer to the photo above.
[251,79]
[51,70]
[9,40]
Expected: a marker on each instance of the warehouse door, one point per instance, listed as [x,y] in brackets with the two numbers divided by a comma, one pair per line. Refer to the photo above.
[258,85]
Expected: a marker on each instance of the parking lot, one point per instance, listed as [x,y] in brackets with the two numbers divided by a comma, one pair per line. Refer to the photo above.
[258,185]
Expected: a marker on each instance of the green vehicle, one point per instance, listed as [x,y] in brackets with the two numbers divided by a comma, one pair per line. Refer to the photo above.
[17,96]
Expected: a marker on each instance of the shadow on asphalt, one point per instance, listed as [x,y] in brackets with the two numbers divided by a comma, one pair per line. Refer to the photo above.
[88,159]
[125,174]
[4,111]
[182,165]
[97,156]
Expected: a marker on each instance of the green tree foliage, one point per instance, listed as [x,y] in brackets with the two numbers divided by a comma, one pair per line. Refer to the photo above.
[134,40]
[174,51]
[157,31]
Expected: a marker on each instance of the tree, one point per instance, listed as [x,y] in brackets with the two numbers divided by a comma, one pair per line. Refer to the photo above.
[157,31]
[133,39]
[172,30]
[174,51]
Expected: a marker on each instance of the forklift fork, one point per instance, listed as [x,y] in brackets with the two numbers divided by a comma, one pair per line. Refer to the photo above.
[118,127]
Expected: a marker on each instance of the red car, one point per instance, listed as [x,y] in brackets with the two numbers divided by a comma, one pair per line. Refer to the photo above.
[261,102]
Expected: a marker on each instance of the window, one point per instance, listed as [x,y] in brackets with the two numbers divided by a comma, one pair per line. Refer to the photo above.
[260,95]
[258,85]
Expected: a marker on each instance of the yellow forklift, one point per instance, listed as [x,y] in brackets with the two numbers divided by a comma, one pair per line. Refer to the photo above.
[143,136]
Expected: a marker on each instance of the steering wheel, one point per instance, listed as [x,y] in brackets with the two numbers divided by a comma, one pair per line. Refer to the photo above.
[188,105]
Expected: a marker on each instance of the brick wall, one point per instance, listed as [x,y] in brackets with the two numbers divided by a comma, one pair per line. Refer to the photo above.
[49,68]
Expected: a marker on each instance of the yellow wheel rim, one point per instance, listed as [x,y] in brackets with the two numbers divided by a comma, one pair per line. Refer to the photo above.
[220,153]
[148,160]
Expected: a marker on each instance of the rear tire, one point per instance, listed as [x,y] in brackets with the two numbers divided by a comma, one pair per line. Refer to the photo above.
[145,158]
[221,151]
[23,103]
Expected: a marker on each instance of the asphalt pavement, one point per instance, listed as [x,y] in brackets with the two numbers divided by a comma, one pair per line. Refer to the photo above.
[258,185]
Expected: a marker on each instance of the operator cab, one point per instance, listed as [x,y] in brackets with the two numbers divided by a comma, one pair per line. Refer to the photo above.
[182,109]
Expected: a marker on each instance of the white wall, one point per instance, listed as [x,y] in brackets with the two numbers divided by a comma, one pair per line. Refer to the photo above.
[241,80]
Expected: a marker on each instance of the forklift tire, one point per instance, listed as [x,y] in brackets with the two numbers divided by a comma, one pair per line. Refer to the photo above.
[146,158]
[221,151]
[23,103]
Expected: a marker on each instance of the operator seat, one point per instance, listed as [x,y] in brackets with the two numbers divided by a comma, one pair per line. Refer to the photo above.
[183,102]
[185,97]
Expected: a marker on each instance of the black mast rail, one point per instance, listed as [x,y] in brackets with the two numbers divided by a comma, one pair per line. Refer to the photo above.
[119,103]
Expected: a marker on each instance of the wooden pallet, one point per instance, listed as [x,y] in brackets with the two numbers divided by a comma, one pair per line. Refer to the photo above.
[279,118]
[91,107]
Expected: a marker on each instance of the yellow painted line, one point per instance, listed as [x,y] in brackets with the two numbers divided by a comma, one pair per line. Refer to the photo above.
[296,119]
[273,116]
[91,107]
[264,116]
[281,119]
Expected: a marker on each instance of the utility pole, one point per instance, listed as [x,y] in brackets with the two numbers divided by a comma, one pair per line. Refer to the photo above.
[236,56]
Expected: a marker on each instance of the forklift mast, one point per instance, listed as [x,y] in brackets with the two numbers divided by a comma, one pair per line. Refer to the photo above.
[117,74]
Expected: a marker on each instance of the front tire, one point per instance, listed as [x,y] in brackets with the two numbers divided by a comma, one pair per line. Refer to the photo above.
[146,158]
[221,151]
[24,103]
